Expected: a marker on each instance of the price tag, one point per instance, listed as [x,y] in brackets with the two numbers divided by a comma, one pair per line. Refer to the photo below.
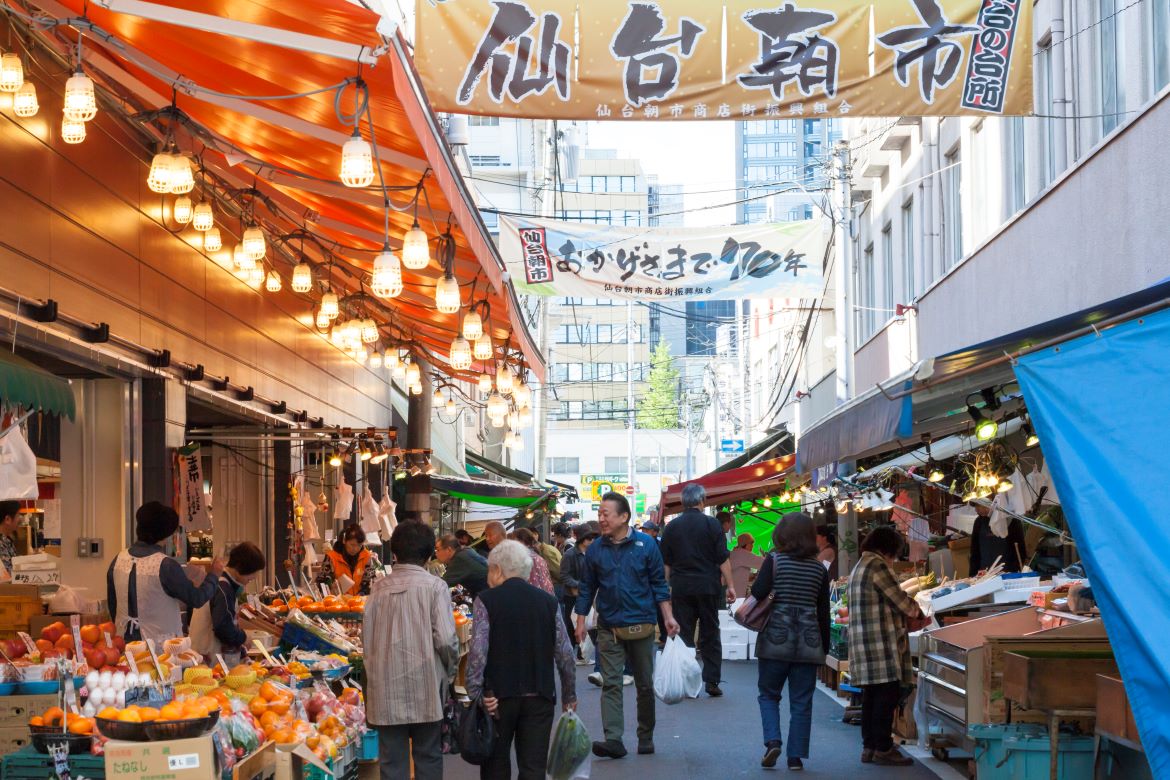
[263,651]
[254,601]
[29,644]
[60,754]
[223,664]
[185,761]
[132,662]
[75,622]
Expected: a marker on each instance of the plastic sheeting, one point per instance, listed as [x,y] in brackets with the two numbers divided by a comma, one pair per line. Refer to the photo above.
[1101,405]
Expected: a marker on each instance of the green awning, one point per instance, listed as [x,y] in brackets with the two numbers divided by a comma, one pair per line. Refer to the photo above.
[484,492]
[27,385]
[482,465]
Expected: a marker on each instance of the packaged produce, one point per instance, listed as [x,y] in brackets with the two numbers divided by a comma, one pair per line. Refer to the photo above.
[569,749]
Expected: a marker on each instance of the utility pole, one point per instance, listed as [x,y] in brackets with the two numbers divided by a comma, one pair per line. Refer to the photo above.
[745,396]
[630,395]
[843,303]
[546,207]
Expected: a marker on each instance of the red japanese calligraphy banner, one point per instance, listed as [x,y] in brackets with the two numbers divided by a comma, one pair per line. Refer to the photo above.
[777,260]
[741,59]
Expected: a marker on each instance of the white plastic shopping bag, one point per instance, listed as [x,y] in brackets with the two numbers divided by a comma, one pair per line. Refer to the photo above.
[18,468]
[677,674]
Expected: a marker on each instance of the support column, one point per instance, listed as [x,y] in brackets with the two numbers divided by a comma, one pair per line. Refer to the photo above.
[418,436]
[164,428]
[281,504]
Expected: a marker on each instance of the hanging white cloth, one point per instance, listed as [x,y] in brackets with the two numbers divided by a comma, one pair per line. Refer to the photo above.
[342,501]
[369,513]
[999,519]
[309,517]
[386,518]
[18,468]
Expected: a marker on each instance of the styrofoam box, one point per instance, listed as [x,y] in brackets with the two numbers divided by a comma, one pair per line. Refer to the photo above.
[735,636]
[735,652]
[967,595]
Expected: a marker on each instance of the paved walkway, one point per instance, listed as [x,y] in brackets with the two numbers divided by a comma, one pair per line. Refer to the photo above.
[712,739]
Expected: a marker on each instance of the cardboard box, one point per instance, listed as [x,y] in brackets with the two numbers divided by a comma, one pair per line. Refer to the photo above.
[735,636]
[261,764]
[16,710]
[13,738]
[735,652]
[179,759]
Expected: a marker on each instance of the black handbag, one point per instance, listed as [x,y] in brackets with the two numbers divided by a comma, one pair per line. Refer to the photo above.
[449,740]
[477,733]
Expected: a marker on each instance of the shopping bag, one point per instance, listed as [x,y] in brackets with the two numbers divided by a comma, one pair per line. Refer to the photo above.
[569,749]
[449,741]
[477,733]
[18,468]
[588,651]
[677,674]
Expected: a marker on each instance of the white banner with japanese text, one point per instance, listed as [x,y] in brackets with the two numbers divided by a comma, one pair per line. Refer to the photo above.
[773,260]
[739,59]
[193,511]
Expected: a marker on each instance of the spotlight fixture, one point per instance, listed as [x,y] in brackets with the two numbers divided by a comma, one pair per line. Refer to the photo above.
[380,453]
[1030,437]
[365,452]
[985,427]
[934,473]
[335,458]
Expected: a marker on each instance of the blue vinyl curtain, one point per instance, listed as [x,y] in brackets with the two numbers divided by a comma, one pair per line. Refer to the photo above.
[1101,405]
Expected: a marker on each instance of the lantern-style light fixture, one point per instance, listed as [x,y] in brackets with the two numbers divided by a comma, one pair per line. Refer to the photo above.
[398,371]
[183,210]
[513,420]
[472,325]
[525,418]
[452,407]
[24,102]
[302,278]
[72,131]
[11,72]
[485,383]
[80,102]
[375,361]
[369,332]
[357,161]
[182,177]
[322,320]
[497,407]
[413,374]
[447,298]
[273,283]
[202,217]
[460,354]
[387,276]
[483,347]
[330,306]
[212,242]
[253,242]
[438,401]
[361,354]
[504,379]
[415,389]
[522,395]
[161,174]
[517,442]
[416,248]
[392,361]
[242,260]
[256,276]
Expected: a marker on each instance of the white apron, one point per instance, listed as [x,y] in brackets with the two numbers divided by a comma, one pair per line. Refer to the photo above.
[159,616]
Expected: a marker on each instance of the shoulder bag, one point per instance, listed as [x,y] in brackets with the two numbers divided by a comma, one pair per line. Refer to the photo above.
[754,614]
[477,733]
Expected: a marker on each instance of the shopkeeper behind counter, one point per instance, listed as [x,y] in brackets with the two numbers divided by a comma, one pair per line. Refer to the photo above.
[9,520]
[350,558]
[215,627]
[147,588]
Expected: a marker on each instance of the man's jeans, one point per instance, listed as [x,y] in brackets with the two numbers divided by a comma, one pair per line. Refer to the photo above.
[615,655]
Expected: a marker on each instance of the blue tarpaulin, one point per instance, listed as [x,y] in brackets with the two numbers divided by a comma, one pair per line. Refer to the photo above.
[1101,405]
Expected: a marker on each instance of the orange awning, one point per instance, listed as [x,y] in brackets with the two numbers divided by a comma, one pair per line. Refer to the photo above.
[289,149]
[729,487]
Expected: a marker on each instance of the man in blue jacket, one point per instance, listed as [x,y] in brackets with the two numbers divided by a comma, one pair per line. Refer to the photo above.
[623,571]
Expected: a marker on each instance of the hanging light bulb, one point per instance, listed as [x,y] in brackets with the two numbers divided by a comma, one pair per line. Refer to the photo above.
[460,354]
[273,283]
[485,383]
[80,102]
[387,277]
[335,458]
[330,306]
[497,406]
[11,72]
[452,407]
[256,276]
[517,442]
[212,242]
[1030,437]
[391,360]
[437,400]
[322,320]
[416,248]
[253,242]
[357,162]
[483,348]
[447,297]
[375,361]
[302,278]
[398,373]
[182,177]
[497,422]
[202,218]
[935,474]
[413,374]
[472,325]
[525,418]
[24,102]
[161,171]
[522,395]
[369,331]
[241,259]
[768,501]
[183,210]
[1004,485]
[513,420]
[72,131]
[504,379]
[360,354]
[416,389]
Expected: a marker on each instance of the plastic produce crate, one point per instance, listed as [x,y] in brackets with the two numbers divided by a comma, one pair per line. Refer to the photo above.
[1020,752]
[295,636]
[369,747]
[27,764]
[313,773]
[839,641]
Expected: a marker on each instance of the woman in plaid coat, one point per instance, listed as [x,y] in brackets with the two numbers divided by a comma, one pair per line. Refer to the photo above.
[879,647]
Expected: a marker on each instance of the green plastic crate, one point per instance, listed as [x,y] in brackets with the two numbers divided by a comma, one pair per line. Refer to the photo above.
[28,764]
[1020,752]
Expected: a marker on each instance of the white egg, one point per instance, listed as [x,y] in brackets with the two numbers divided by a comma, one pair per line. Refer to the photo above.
[119,681]
[93,680]
[105,679]
[97,696]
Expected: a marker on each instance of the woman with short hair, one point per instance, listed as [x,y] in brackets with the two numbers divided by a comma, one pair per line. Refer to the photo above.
[350,558]
[215,627]
[796,638]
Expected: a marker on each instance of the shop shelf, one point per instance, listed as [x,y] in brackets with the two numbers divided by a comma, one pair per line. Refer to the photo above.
[1020,752]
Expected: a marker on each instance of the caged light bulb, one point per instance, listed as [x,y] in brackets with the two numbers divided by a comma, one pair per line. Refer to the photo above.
[212,242]
[72,131]
[80,102]
[161,173]
[357,162]
[183,210]
[202,217]
[253,243]
[416,250]
[386,281]
[11,72]
[472,326]
[302,278]
[24,102]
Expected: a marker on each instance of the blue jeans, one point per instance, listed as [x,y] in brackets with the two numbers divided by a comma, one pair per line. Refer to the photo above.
[802,681]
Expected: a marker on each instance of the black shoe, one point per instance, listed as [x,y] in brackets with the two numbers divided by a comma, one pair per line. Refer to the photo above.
[770,756]
[713,690]
[609,749]
[645,747]
[795,764]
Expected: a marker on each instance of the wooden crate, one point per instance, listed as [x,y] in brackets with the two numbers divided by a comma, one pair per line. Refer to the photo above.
[18,605]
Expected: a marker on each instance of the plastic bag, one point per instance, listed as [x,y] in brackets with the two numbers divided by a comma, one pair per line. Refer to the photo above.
[588,651]
[18,468]
[677,674]
[570,749]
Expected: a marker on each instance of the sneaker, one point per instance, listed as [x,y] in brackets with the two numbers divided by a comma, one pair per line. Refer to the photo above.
[795,764]
[891,757]
[627,679]
[595,678]
[609,749]
[645,747]
[713,690]
[867,756]
[770,756]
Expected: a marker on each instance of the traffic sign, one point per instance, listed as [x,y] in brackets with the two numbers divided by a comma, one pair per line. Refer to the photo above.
[629,490]
[731,446]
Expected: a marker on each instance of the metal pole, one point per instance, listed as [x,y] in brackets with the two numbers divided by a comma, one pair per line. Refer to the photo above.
[1059,102]
[745,396]
[630,394]
[844,297]
[540,416]
[689,412]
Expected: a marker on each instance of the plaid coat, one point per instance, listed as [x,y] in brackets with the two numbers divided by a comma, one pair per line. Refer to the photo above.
[879,647]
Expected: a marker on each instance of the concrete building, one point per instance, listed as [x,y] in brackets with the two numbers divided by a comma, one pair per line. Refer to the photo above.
[772,155]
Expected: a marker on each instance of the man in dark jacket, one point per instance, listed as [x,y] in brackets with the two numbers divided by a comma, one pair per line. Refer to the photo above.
[464,565]
[695,552]
[571,565]
[987,546]
[244,562]
[623,571]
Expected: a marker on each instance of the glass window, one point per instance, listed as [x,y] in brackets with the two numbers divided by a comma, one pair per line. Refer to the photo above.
[1109,46]
[616,464]
[1016,173]
[909,271]
[605,334]
[952,185]
[866,295]
[887,304]
[560,372]
[629,184]
[633,217]
[563,465]
[1044,105]
[1160,43]
[491,219]
[574,372]
[576,410]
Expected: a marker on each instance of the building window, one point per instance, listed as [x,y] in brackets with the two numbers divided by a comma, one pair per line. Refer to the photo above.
[616,464]
[483,121]
[909,271]
[865,295]
[1044,100]
[574,372]
[887,281]
[1160,43]
[563,465]
[485,160]
[568,334]
[633,217]
[1015,174]
[491,219]
[1109,46]
[952,186]
[576,410]
[605,334]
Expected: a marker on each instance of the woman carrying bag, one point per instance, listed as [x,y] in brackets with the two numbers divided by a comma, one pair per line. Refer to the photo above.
[215,627]
[794,642]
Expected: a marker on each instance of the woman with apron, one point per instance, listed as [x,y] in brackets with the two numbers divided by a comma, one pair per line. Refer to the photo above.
[351,559]
[147,588]
[215,627]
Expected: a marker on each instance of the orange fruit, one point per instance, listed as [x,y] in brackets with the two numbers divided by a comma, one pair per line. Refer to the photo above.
[81,726]
[109,713]
[129,716]
[54,716]
[258,706]
[148,714]
[172,711]
[268,720]
[36,720]
[279,706]
[281,736]
[193,709]
[269,690]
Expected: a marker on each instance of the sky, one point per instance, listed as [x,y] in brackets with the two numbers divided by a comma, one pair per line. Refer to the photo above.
[698,155]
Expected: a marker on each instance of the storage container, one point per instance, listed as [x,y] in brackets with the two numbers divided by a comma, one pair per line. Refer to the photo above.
[369,749]
[1020,752]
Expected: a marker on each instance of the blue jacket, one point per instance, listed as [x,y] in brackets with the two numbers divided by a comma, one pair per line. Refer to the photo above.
[626,577]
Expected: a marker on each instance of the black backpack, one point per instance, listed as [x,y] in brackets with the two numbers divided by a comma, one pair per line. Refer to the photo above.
[477,733]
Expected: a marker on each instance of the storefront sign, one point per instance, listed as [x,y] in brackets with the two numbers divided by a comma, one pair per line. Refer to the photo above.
[742,59]
[777,260]
[193,514]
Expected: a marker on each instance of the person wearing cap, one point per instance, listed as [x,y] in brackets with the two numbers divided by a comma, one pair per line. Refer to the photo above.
[146,588]
[650,528]
[744,562]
